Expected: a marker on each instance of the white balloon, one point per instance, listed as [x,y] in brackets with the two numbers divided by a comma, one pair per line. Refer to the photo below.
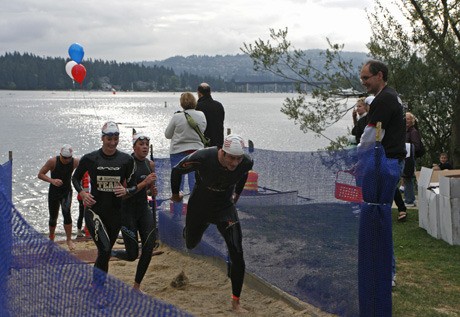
[68,68]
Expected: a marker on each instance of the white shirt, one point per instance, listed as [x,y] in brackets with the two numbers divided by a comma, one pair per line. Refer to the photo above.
[182,136]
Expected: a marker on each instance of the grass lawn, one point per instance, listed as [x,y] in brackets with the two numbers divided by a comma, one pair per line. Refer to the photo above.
[427,272]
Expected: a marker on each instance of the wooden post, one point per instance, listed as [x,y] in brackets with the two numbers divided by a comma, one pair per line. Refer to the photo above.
[10,155]
[378,133]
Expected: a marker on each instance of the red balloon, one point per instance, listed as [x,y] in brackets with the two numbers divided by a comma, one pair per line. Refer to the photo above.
[79,73]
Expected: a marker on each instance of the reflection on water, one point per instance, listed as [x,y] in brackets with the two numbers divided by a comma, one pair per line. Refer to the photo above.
[34,125]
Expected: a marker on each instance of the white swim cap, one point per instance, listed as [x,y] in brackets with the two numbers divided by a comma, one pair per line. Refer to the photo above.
[110,128]
[233,144]
[140,136]
[66,151]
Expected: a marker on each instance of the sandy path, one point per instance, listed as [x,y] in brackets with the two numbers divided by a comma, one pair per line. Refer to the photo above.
[208,290]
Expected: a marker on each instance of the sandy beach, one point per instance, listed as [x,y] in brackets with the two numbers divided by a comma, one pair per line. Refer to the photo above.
[208,290]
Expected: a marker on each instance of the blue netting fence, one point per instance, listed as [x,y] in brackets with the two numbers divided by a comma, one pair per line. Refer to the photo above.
[39,278]
[297,236]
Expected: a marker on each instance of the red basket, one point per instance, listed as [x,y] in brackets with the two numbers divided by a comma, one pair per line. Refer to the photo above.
[346,189]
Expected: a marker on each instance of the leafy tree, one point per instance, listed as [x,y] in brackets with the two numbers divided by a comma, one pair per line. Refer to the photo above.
[330,86]
[423,54]
[424,58]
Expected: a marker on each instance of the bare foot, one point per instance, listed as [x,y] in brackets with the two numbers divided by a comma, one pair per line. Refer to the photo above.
[71,245]
[137,288]
[236,307]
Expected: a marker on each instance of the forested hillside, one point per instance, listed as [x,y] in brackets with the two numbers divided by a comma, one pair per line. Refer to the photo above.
[225,73]
[239,68]
[30,72]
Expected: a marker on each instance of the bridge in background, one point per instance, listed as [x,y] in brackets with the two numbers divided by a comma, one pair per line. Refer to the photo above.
[267,86]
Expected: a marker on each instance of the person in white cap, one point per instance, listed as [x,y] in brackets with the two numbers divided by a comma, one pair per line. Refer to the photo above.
[137,216]
[60,190]
[108,169]
[220,177]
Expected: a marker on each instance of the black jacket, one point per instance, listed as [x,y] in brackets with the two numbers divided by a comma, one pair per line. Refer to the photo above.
[215,115]
[358,129]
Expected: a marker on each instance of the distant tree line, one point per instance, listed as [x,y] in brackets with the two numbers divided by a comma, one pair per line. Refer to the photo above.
[30,72]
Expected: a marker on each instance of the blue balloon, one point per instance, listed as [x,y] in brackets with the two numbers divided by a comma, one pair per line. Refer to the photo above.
[76,52]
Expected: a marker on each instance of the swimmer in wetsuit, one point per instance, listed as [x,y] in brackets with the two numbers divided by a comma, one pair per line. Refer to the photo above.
[220,177]
[107,168]
[137,216]
[60,190]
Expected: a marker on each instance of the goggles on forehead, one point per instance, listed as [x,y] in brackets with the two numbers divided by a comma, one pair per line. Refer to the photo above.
[140,137]
[143,137]
[111,134]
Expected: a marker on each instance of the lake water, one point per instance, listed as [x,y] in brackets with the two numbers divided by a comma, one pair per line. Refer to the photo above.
[35,124]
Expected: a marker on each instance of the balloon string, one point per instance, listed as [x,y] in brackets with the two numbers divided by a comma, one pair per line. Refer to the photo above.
[94,108]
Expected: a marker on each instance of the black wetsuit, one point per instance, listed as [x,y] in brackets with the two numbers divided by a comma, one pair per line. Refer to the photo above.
[105,173]
[211,202]
[137,217]
[62,195]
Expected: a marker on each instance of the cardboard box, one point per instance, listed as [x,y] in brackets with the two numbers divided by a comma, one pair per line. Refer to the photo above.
[439,208]
[424,179]
[449,186]
[434,222]
[449,211]
[422,205]
[435,174]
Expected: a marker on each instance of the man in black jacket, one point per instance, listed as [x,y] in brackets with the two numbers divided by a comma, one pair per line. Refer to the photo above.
[214,113]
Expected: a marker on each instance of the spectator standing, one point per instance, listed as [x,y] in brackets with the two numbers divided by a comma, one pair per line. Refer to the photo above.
[215,115]
[415,141]
[184,140]
[387,109]
[360,117]
[60,190]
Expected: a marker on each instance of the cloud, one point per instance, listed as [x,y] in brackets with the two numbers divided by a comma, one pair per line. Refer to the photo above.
[152,30]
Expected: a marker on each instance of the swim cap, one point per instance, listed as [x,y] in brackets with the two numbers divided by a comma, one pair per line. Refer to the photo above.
[233,144]
[110,128]
[66,150]
[139,136]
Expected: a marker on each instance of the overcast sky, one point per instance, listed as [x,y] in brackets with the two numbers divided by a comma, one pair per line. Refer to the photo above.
[138,30]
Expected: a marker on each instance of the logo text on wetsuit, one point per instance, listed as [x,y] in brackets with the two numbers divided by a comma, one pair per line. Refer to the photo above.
[107,183]
[109,168]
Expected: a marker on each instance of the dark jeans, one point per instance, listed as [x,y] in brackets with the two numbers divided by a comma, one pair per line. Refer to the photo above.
[398,198]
